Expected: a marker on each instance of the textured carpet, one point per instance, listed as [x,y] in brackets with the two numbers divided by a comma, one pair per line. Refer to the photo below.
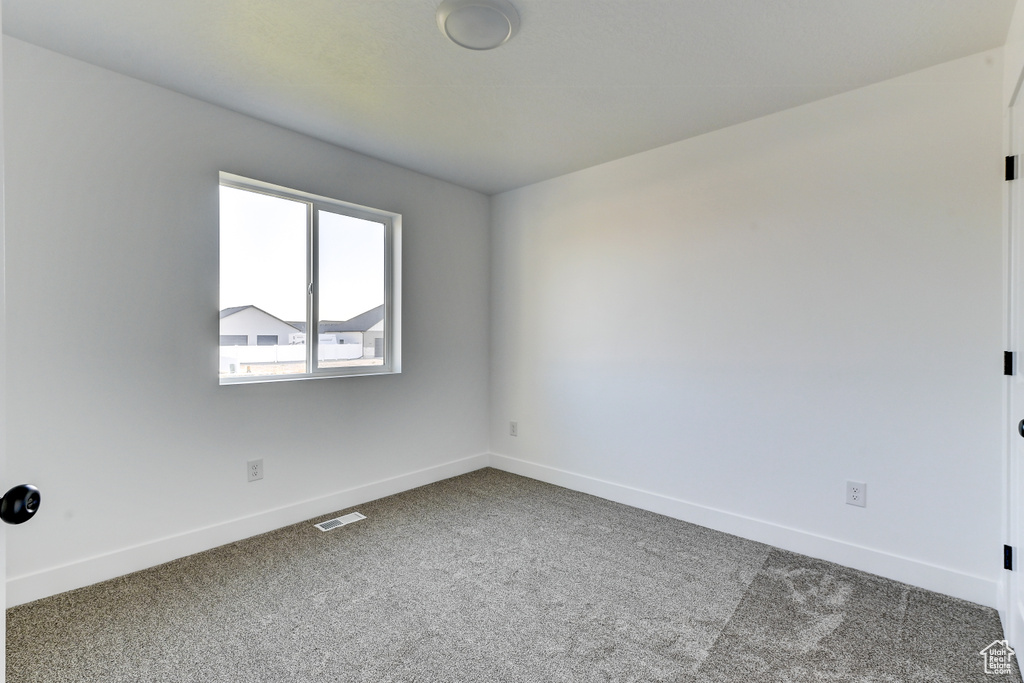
[494,577]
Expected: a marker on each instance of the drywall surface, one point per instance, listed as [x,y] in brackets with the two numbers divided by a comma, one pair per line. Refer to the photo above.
[1013,56]
[115,410]
[739,323]
[3,355]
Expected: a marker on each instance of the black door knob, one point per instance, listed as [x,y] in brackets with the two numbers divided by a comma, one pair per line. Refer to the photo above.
[19,504]
[1020,428]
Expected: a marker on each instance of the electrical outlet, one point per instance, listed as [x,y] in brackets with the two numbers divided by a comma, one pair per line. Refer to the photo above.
[255,469]
[857,493]
[513,429]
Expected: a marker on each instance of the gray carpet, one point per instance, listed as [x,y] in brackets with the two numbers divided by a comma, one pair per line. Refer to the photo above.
[494,577]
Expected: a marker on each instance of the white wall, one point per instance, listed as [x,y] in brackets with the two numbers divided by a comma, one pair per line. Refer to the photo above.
[112,202]
[3,356]
[1013,55]
[816,297]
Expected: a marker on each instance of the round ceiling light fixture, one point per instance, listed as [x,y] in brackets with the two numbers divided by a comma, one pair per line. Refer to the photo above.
[478,24]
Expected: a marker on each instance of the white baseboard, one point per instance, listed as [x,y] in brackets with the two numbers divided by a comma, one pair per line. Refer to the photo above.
[914,572]
[28,587]
[41,584]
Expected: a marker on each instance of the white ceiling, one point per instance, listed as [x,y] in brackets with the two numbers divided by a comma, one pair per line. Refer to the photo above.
[583,82]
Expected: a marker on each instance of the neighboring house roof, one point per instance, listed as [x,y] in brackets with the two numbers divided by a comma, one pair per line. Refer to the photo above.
[235,309]
[231,311]
[359,323]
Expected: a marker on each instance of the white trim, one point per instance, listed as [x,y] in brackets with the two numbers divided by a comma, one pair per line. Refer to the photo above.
[28,587]
[3,350]
[1011,611]
[392,222]
[908,570]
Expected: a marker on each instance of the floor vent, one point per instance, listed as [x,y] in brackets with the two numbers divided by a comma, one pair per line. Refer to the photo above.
[339,521]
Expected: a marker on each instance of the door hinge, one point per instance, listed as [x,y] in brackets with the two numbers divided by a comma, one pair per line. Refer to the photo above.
[1008,557]
[1007,362]
[1011,167]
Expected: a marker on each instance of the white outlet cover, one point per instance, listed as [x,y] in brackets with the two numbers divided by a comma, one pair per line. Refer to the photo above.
[857,493]
[254,469]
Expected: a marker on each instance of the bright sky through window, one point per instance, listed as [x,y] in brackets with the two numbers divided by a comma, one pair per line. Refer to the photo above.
[263,253]
[351,265]
[263,258]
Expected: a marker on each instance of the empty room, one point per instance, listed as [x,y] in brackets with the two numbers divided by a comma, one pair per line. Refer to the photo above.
[659,340]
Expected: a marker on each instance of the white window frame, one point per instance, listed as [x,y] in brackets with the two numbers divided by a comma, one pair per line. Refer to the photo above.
[392,280]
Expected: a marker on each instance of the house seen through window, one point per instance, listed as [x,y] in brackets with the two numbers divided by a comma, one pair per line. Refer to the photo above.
[307,285]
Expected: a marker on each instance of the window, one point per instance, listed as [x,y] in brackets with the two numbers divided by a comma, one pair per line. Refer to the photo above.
[293,262]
